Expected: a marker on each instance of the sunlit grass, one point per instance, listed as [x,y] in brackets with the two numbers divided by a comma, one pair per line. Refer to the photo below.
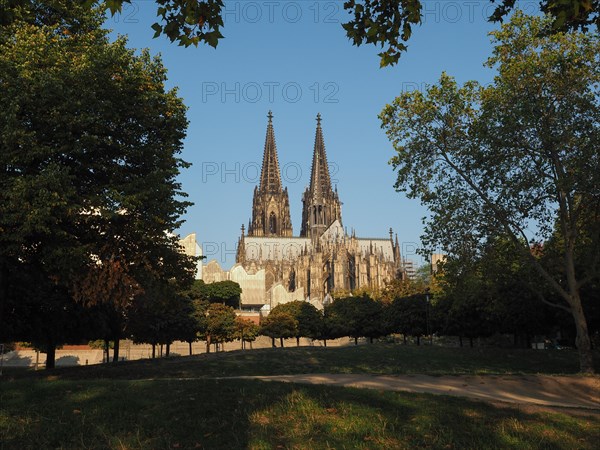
[238,414]
[177,403]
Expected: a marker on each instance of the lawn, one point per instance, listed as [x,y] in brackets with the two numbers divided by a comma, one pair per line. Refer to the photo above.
[387,359]
[238,414]
[143,404]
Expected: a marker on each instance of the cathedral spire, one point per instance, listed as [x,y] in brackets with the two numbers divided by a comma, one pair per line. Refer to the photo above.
[320,181]
[270,206]
[240,256]
[321,205]
[270,176]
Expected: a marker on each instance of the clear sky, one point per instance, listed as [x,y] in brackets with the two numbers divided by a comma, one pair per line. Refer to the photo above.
[292,57]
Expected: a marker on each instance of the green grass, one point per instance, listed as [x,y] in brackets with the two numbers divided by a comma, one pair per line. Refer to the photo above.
[144,404]
[238,414]
[388,359]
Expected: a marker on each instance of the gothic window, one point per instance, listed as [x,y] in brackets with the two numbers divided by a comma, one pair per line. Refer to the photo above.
[272,224]
[351,273]
[320,214]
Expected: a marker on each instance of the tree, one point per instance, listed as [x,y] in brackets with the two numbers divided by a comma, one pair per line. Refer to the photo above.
[488,292]
[280,325]
[378,22]
[220,324]
[309,319]
[225,292]
[408,316]
[401,288]
[89,162]
[44,314]
[246,330]
[355,317]
[161,316]
[516,156]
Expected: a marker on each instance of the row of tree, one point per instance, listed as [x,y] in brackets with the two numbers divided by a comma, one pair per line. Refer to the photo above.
[490,296]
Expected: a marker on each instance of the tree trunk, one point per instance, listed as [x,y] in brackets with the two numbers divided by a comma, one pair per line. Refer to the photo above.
[208,344]
[273,342]
[190,347]
[3,292]
[324,342]
[582,341]
[471,342]
[107,350]
[418,340]
[116,350]
[404,339]
[153,351]
[355,341]
[281,342]
[370,340]
[297,341]
[460,341]
[168,350]
[161,350]
[50,355]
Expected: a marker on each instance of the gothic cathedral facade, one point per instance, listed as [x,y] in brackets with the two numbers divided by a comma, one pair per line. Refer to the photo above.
[323,258]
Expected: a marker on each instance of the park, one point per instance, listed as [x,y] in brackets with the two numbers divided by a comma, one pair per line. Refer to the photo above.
[455,303]
[216,401]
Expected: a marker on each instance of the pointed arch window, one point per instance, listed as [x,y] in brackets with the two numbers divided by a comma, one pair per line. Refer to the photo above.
[272,223]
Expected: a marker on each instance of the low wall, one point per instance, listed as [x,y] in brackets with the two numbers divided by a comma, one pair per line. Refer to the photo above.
[81,356]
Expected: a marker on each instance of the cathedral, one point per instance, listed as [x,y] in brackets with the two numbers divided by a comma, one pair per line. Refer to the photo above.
[324,257]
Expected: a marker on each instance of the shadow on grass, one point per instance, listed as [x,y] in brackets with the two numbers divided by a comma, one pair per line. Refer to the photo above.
[67,361]
[387,359]
[238,414]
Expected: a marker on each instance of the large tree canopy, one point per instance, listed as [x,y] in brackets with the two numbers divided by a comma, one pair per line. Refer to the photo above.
[89,144]
[517,157]
[384,23]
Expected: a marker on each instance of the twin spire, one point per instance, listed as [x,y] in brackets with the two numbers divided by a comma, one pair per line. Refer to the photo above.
[270,176]
[270,210]
[320,182]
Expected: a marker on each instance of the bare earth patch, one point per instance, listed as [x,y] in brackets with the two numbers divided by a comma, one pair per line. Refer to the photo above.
[539,390]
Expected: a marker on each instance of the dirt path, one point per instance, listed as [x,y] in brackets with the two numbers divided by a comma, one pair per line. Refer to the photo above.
[541,390]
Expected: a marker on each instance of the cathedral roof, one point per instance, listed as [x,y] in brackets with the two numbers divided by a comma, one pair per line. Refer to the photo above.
[270,176]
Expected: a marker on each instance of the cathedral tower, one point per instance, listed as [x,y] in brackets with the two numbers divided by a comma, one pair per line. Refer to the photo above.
[271,206]
[321,206]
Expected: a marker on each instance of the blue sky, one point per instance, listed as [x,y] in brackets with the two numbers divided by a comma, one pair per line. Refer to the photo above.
[292,57]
